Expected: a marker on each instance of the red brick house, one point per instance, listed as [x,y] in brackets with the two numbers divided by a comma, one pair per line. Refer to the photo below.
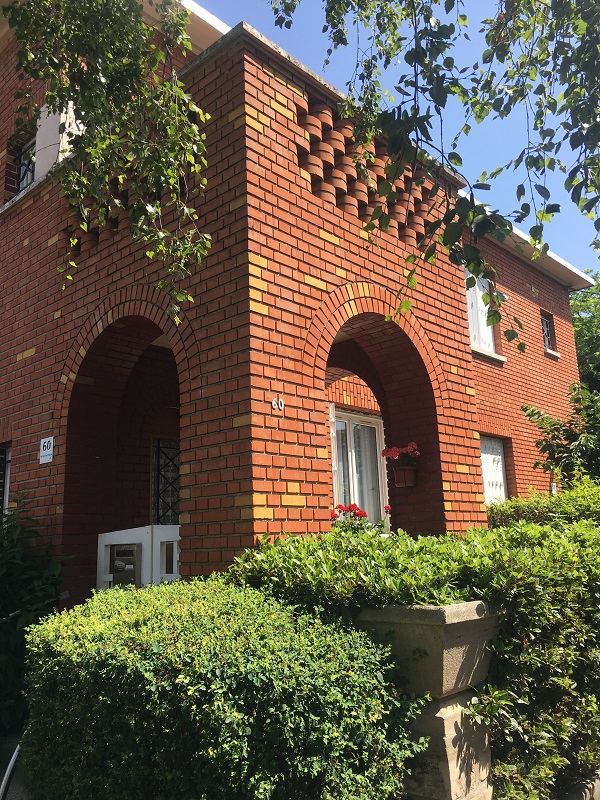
[272,400]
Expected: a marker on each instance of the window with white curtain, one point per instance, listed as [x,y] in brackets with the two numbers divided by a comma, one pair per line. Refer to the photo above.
[482,334]
[358,466]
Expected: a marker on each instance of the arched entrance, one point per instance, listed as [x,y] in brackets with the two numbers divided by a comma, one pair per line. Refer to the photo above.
[122,444]
[380,394]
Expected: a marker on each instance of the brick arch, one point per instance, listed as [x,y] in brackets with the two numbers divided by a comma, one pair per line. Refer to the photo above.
[352,300]
[134,301]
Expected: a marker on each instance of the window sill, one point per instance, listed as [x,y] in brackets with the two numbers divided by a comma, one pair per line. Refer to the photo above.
[551,353]
[478,351]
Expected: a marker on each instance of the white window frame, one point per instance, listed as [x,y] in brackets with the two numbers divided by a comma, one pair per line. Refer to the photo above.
[493,468]
[482,334]
[337,415]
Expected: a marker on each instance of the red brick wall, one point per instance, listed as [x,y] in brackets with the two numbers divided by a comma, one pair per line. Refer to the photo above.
[290,295]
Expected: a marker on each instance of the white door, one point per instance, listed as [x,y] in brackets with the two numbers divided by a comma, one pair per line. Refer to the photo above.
[494,469]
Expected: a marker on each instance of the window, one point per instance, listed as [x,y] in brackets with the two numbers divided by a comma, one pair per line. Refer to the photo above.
[548,335]
[26,166]
[482,334]
[358,467]
[165,482]
[5,452]
[494,469]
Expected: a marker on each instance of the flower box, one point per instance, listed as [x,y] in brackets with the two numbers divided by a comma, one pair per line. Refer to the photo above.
[405,476]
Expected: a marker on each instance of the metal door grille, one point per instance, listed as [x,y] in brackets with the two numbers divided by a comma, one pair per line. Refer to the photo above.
[165,490]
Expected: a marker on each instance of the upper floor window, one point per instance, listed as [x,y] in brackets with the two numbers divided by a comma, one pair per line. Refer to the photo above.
[26,166]
[548,334]
[482,334]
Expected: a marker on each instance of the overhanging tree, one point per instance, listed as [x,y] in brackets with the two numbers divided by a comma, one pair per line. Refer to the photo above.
[139,135]
[135,146]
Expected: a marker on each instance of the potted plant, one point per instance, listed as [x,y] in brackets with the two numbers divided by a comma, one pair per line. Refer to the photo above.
[404,463]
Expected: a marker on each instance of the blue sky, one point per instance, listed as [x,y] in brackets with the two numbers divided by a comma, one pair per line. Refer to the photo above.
[489,145]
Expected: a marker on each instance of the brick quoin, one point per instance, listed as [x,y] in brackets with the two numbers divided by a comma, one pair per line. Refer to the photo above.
[294,310]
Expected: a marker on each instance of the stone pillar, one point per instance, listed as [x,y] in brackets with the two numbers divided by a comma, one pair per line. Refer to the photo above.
[444,652]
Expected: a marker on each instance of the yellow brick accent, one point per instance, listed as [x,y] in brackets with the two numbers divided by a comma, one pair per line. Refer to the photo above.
[480,498]
[364,290]
[28,203]
[351,309]
[25,241]
[26,354]
[184,519]
[52,240]
[242,420]
[251,123]
[293,488]
[363,234]
[255,271]
[463,468]
[322,452]
[282,109]
[454,370]
[237,112]
[185,469]
[185,493]
[57,314]
[3,153]
[63,378]
[329,237]
[99,327]
[476,435]
[82,352]
[350,291]
[259,308]
[260,261]
[281,98]
[257,283]
[238,202]
[304,174]
[448,506]
[255,295]
[470,390]
[256,513]
[293,500]
[446,486]
[341,273]
[250,500]
[316,282]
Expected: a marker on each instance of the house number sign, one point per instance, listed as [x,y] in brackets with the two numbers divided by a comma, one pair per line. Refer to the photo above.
[277,404]
[47,450]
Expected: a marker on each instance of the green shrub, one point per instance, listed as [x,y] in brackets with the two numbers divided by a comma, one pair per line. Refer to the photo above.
[29,583]
[580,502]
[542,697]
[203,691]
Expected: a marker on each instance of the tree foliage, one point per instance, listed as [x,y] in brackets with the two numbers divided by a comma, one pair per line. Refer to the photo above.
[585,308]
[538,55]
[573,446]
[136,146]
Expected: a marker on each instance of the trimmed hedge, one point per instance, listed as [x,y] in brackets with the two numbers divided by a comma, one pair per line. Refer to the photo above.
[542,699]
[29,582]
[581,502]
[203,691]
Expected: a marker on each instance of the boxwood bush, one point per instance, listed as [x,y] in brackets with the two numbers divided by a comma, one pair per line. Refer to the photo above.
[203,691]
[581,502]
[542,698]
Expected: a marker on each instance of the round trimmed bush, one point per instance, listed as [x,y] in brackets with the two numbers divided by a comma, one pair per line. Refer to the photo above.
[203,691]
